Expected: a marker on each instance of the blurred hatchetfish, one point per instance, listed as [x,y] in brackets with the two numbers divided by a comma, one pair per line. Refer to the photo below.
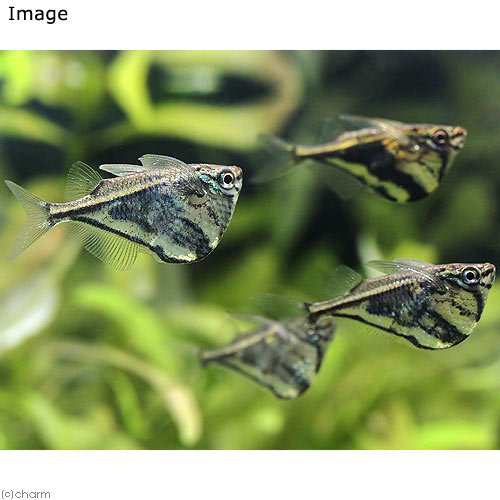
[400,162]
[282,356]
[176,212]
[432,306]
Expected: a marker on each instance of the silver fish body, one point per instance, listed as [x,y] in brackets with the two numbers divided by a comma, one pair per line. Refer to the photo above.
[282,356]
[432,306]
[174,211]
[400,162]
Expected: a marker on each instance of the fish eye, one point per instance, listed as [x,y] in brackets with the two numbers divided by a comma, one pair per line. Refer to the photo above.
[440,137]
[471,276]
[226,179]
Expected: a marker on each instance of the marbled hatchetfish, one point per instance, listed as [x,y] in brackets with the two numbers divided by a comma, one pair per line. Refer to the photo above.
[174,211]
[282,356]
[400,162]
[432,306]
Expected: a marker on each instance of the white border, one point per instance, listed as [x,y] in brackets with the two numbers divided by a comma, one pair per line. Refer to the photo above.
[259,24]
[222,24]
[253,475]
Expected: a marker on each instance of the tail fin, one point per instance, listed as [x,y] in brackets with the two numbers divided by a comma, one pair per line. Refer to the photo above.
[37,223]
[278,158]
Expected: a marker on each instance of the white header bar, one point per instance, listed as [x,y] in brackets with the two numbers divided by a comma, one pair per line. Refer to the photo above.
[260,24]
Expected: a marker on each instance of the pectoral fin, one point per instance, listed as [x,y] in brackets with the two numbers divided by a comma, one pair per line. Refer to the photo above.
[116,251]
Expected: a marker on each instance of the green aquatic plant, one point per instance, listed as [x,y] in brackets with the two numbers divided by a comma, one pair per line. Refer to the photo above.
[111,360]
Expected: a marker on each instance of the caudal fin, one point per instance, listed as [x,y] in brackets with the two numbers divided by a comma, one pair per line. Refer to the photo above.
[37,222]
[278,157]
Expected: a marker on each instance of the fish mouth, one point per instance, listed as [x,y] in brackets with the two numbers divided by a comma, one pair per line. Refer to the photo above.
[489,273]
[238,172]
[238,176]
[457,138]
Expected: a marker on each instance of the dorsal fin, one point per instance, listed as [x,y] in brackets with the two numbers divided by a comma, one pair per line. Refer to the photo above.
[160,161]
[120,170]
[331,128]
[81,181]
[367,121]
[391,127]
[342,280]
[275,306]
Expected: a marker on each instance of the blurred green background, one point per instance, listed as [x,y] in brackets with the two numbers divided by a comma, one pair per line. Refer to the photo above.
[92,358]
